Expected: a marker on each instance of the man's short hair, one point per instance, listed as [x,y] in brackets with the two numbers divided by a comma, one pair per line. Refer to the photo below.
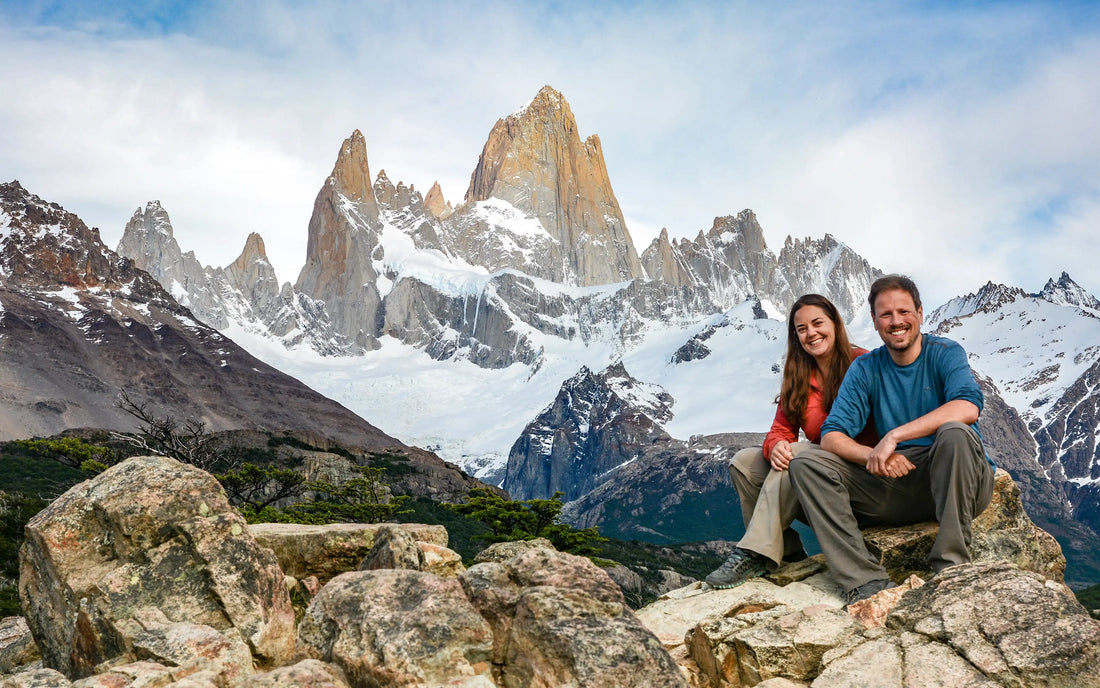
[888,282]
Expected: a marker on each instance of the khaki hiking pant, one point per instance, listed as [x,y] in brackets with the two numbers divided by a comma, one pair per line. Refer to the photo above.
[768,504]
[951,484]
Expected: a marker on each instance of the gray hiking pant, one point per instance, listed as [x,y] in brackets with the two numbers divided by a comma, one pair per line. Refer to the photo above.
[768,504]
[951,484]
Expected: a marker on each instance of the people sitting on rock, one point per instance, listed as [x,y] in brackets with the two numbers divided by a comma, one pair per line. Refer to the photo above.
[930,463]
[818,355]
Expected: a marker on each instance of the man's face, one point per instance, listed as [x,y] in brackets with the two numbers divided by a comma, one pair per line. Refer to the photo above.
[897,319]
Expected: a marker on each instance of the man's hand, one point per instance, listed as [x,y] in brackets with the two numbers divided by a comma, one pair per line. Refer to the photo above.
[781,455]
[887,462]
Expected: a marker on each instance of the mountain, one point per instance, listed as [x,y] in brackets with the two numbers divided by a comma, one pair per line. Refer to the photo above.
[1041,351]
[475,330]
[79,324]
[598,422]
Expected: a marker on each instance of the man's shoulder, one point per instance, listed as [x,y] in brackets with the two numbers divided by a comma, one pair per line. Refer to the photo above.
[936,344]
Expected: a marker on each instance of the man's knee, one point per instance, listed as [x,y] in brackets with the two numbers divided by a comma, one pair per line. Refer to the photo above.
[959,435]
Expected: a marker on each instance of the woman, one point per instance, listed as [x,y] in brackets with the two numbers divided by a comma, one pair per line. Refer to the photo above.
[818,356]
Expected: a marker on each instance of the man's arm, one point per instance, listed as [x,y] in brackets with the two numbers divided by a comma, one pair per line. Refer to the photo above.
[884,458]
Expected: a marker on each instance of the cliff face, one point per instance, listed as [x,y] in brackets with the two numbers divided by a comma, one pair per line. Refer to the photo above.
[79,323]
[341,268]
[535,161]
[597,423]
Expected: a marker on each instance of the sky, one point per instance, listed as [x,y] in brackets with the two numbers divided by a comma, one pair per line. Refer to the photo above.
[956,142]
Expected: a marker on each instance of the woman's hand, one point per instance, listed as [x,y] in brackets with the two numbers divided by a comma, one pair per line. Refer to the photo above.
[781,455]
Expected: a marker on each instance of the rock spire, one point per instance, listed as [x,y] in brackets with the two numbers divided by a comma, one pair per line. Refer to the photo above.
[536,161]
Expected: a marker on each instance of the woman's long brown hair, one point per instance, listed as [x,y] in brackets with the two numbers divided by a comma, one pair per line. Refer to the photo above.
[795,390]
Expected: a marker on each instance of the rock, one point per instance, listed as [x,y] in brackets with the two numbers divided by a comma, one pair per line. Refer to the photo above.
[793,645]
[397,628]
[17,646]
[326,551]
[188,648]
[144,673]
[873,610]
[873,664]
[392,549]
[1001,532]
[503,551]
[148,532]
[677,613]
[1014,626]
[443,562]
[396,549]
[35,678]
[559,620]
[308,673]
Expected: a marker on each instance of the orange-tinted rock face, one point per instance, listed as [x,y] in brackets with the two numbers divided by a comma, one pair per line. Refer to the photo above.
[536,161]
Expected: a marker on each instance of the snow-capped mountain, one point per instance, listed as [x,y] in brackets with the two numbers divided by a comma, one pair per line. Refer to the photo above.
[79,324]
[455,327]
[1042,351]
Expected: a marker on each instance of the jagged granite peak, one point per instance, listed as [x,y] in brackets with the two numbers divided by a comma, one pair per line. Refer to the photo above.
[439,207]
[597,422]
[45,247]
[79,323]
[731,262]
[149,240]
[403,207]
[534,160]
[826,266]
[662,261]
[343,251]
[988,299]
[252,275]
[351,174]
[1065,291]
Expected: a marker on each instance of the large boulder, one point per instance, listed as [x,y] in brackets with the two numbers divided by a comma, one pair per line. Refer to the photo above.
[148,533]
[1003,532]
[326,551]
[559,620]
[1014,626]
[398,628]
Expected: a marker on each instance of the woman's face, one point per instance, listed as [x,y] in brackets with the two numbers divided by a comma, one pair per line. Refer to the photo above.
[816,331]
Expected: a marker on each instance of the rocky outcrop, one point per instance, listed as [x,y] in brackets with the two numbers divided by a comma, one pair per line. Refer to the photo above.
[558,620]
[987,624]
[731,262]
[1003,532]
[435,203]
[112,561]
[326,551]
[343,247]
[535,163]
[398,628]
[596,423]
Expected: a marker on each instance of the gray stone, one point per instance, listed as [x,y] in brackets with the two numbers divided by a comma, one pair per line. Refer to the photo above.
[396,628]
[308,673]
[325,551]
[1014,626]
[148,532]
[17,646]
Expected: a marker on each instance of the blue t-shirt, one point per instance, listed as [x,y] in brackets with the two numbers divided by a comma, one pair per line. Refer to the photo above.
[892,395]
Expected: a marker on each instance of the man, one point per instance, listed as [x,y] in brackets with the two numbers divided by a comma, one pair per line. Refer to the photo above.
[929,464]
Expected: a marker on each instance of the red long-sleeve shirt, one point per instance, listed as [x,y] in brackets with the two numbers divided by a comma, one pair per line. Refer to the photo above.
[784,429]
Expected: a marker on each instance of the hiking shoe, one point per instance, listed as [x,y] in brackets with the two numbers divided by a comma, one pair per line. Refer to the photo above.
[869,588]
[741,566]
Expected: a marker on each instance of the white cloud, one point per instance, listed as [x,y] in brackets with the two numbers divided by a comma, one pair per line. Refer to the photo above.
[956,145]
